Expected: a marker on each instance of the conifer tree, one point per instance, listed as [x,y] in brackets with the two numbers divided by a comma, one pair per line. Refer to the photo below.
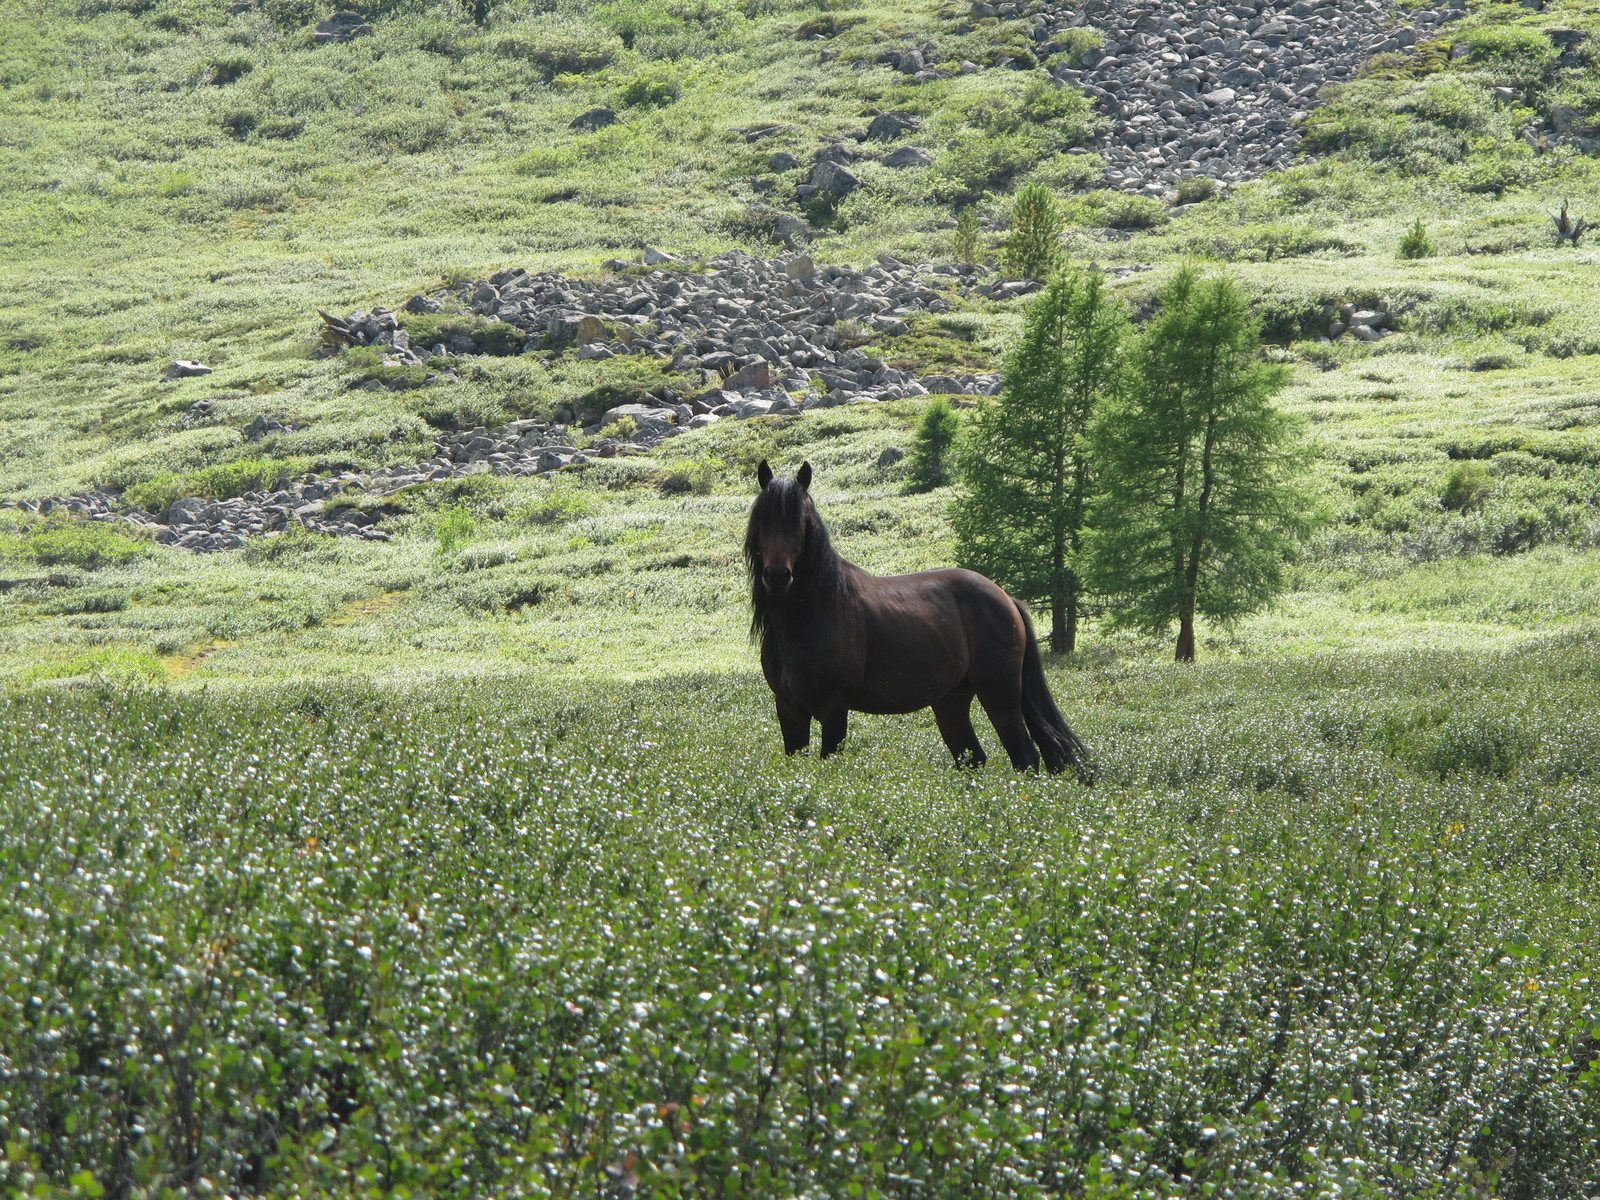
[1200,501]
[1033,248]
[1025,459]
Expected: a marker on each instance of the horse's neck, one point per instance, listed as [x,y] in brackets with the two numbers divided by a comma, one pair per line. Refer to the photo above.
[790,618]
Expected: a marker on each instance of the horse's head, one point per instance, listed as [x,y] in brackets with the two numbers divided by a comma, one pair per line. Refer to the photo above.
[782,524]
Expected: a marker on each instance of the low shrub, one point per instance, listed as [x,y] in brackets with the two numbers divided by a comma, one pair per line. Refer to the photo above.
[87,545]
[222,481]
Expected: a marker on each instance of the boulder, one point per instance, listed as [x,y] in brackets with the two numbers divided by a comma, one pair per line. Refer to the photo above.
[590,329]
[887,126]
[651,419]
[907,156]
[753,378]
[834,179]
[341,27]
[654,257]
[595,118]
[782,161]
[800,268]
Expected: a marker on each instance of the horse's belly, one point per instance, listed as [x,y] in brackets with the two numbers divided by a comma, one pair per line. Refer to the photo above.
[907,690]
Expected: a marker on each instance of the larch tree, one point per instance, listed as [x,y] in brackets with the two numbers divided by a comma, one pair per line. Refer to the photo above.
[1200,501]
[1025,459]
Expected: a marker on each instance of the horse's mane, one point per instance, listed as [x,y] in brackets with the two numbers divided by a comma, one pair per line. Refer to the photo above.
[818,571]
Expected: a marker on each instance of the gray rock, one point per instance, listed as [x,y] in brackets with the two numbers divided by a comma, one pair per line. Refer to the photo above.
[595,118]
[907,156]
[885,127]
[651,419]
[782,161]
[341,27]
[186,368]
[752,378]
[836,180]
[654,257]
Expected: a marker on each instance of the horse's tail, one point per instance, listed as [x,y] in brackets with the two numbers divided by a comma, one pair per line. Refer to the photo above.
[1058,745]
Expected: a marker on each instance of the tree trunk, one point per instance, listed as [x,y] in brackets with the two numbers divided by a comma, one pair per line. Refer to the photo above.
[1064,623]
[1185,647]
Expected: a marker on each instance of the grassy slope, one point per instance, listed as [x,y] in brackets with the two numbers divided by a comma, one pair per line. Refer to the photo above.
[156,212]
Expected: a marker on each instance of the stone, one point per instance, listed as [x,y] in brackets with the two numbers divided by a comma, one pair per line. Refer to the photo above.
[590,329]
[1220,96]
[835,180]
[753,378]
[191,510]
[890,456]
[1367,316]
[837,153]
[782,161]
[187,368]
[650,418]
[941,385]
[1365,333]
[907,156]
[800,267]
[341,27]
[885,127]
[655,258]
[595,118]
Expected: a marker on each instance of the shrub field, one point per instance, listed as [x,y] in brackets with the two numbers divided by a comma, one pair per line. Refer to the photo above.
[1323,929]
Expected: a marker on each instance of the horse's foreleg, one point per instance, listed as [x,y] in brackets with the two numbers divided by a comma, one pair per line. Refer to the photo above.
[796,725]
[954,715]
[835,718]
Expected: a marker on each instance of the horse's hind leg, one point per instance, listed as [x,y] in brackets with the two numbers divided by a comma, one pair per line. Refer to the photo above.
[1013,730]
[954,715]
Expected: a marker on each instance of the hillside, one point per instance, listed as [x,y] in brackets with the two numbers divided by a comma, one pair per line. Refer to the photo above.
[195,182]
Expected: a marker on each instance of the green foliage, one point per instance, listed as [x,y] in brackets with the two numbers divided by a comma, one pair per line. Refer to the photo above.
[936,432]
[1482,744]
[651,88]
[415,936]
[1026,464]
[1195,189]
[1033,246]
[453,527]
[1519,56]
[1201,501]
[86,544]
[219,482]
[1120,210]
[110,663]
[1466,487]
[968,248]
[1416,243]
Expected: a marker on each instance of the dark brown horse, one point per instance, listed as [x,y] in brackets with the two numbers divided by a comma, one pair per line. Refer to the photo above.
[834,638]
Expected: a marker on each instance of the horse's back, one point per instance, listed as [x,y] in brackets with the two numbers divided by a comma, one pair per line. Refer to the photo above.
[928,634]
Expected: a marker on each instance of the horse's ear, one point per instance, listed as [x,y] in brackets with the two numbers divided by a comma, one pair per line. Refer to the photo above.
[803,477]
[764,473]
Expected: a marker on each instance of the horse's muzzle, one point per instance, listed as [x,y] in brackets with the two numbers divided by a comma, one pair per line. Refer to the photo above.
[777,579]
